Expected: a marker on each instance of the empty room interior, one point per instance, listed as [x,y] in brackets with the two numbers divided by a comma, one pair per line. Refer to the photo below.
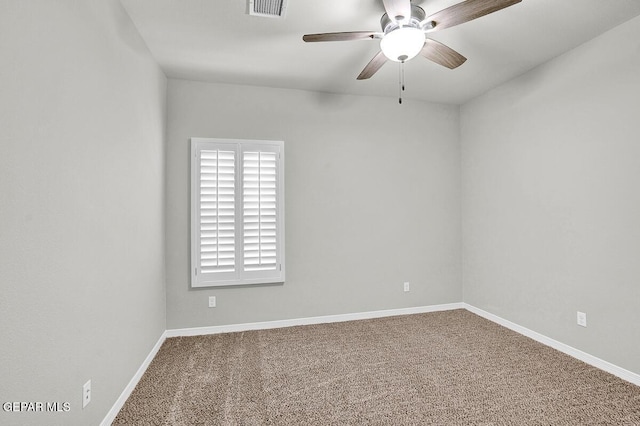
[447,234]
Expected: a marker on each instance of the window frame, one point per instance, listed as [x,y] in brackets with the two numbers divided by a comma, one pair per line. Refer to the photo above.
[239,276]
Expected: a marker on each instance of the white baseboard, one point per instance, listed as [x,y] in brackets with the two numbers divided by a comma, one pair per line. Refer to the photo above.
[111,415]
[198,331]
[576,353]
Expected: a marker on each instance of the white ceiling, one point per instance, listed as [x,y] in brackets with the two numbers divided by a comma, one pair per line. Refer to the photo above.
[217,41]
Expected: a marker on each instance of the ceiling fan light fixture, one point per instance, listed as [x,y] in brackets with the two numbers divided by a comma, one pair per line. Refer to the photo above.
[402,44]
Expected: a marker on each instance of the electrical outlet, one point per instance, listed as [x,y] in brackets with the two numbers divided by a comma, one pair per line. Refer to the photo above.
[406,286]
[212,301]
[86,394]
[582,319]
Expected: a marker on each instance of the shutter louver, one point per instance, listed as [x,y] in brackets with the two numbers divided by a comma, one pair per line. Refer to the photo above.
[259,171]
[217,211]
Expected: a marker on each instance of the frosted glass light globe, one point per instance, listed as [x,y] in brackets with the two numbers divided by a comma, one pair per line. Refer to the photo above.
[402,44]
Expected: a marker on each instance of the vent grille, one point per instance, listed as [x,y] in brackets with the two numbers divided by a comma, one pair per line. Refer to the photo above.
[269,8]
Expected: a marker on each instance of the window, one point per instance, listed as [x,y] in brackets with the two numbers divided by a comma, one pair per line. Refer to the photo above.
[237,212]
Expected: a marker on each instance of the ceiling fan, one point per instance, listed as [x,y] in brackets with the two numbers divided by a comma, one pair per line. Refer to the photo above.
[404,32]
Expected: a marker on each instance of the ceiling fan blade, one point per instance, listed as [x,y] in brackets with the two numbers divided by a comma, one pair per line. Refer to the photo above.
[441,54]
[467,11]
[373,66]
[347,36]
[398,10]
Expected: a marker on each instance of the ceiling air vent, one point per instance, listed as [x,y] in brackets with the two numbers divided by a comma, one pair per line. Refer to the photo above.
[268,8]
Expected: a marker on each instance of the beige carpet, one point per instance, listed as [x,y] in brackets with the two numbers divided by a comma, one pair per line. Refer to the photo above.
[443,368]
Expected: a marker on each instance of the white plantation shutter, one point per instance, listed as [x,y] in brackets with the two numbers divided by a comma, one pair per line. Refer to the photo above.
[259,210]
[217,211]
[237,212]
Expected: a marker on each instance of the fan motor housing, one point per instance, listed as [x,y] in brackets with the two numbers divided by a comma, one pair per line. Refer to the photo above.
[417,16]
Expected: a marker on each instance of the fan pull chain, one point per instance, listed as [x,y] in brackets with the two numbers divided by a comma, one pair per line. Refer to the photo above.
[400,81]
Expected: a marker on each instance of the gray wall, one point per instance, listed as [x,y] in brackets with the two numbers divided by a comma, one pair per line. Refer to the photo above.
[82,292]
[372,200]
[551,198]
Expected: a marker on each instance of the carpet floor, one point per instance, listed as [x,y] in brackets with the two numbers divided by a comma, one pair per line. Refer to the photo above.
[441,368]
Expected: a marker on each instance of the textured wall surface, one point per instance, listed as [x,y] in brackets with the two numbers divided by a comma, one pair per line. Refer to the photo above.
[82,105]
[551,170]
[372,200]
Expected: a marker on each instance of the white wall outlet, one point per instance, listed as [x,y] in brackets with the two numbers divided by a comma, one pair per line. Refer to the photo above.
[86,394]
[406,286]
[212,301]
[582,319]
